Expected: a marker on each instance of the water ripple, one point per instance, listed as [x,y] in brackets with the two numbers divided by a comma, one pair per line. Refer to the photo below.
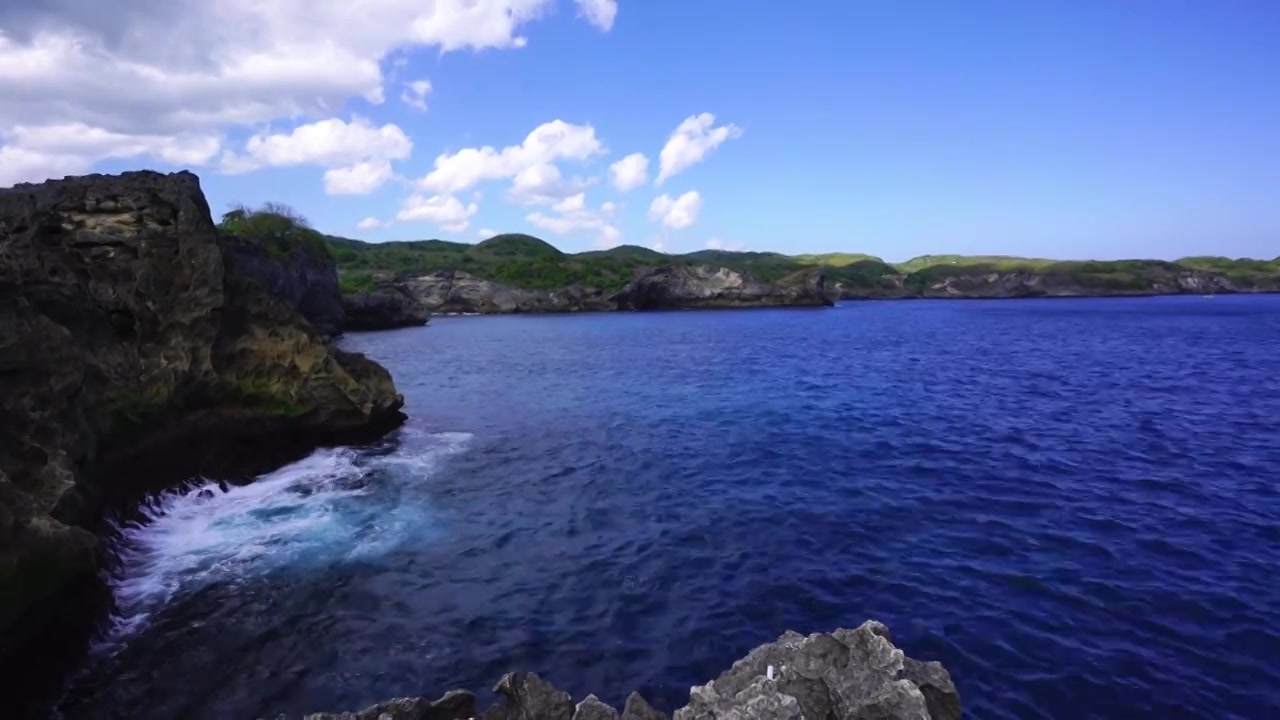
[1072,505]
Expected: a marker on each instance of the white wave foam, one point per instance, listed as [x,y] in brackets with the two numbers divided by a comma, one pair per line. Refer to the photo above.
[333,506]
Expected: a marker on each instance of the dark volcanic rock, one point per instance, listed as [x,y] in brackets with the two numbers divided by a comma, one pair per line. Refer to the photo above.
[130,338]
[383,309]
[306,282]
[698,286]
[845,675]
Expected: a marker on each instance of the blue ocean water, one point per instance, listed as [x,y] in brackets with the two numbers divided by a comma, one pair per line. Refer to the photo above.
[1074,505]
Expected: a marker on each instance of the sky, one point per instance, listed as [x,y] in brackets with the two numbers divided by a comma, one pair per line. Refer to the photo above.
[1064,129]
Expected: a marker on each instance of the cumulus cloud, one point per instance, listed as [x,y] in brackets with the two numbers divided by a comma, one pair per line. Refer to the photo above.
[532,159]
[676,213]
[415,94]
[179,70]
[372,223]
[542,184]
[359,179]
[630,172]
[358,154]
[690,144]
[718,244]
[572,214]
[598,12]
[486,233]
[34,153]
[446,211]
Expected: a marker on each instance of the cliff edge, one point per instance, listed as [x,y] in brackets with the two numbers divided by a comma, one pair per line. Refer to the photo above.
[138,346]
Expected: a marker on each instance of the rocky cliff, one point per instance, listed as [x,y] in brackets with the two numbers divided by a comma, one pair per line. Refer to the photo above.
[701,286]
[135,347]
[843,675]
[454,291]
[305,281]
[1027,284]
[383,309]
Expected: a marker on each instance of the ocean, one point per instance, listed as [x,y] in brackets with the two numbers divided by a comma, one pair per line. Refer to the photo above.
[1073,504]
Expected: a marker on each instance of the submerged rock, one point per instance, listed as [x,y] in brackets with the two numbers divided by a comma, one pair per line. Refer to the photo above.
[702,286]
[136,346]
[845,675]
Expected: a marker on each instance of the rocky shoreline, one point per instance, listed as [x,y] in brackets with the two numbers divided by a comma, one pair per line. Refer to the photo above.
[407,299]
[140,347]
[844,675]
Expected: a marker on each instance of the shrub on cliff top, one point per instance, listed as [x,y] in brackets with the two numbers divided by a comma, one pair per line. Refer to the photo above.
[278,228]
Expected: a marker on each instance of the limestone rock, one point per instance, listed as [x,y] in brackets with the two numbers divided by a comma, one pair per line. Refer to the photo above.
[529,697]
[454,291]
[637,709]
[849,674]
[702,286]
[127,326]
[592,709]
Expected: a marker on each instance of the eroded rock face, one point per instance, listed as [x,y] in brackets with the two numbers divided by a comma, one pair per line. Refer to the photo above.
[454,291]
[696,286]
[307,283]
[383,309]
[123,319]
[845,675]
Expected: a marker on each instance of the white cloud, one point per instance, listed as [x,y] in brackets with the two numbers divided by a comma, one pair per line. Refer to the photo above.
[610,237]
[330,143]
[718,244]
[678,213]
[657,244]
[415,94]
[549,142]
[572,214]
[138,70]
[598,12]
[358,154]
[486,233]
[630,172]
[691,142]
[34,153]
[542,184]
[359,179]
[372,223]
[443,210]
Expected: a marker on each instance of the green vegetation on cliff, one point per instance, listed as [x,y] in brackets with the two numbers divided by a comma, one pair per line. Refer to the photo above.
[277,228]
[527,262]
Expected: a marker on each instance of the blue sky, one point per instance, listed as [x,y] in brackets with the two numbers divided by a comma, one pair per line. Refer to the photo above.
[1055,129]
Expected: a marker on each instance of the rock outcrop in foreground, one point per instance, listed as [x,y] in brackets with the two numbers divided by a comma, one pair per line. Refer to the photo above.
[844,675]
[137,346]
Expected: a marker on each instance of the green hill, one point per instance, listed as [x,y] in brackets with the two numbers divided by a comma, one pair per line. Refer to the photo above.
[1003,262]
[529,262]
